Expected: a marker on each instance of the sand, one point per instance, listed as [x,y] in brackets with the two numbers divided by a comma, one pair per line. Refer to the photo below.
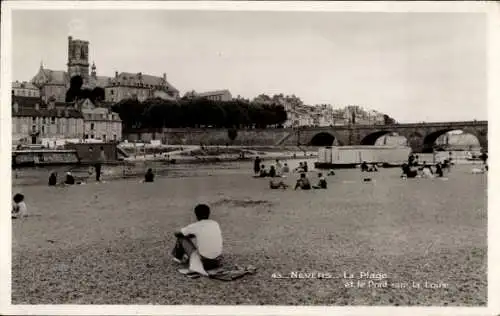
[109,243]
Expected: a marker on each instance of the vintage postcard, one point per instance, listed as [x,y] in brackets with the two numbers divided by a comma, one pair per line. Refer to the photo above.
[249,158]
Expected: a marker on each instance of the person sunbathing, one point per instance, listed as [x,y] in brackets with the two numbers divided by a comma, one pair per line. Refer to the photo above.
[321,183]
[303,183]
[199,242]
[263,172]
[408,171]
[427,171]
[300,168]
[70,180]
[274,184]
[53,179]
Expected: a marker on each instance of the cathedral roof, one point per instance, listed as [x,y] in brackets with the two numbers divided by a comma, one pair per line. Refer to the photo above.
[47,76]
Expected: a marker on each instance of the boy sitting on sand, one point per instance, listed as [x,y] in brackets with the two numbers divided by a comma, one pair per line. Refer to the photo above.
[303,183]
[321,183]
[199,243]
[19,208]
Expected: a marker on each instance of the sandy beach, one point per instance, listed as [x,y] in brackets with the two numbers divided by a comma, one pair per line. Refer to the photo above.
[109,243]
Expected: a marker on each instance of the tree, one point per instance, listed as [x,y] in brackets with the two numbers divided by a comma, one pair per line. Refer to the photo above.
[131,113]
[199,112]
[97,94]
[388,120]
[75,85]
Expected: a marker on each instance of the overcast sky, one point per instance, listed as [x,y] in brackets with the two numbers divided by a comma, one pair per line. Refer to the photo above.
[414,67]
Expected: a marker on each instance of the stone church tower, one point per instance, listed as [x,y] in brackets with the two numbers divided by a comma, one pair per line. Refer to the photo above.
[78,59]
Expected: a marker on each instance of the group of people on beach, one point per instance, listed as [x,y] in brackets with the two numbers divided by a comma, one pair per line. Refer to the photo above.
[413,168]
[280,171]
[199,245]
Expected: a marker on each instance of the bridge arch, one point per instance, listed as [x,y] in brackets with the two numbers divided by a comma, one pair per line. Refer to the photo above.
[322,139]
[415,141]
[431,138]
[370,139]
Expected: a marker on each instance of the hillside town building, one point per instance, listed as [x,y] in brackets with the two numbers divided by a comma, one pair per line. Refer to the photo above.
[33,120]
[100,123]
[25,89]
[55,83]
[217,95]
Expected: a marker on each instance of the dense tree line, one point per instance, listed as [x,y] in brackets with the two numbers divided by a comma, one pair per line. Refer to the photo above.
[199,112]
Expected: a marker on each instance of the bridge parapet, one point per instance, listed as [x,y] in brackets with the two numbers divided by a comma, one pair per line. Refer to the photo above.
[459,124]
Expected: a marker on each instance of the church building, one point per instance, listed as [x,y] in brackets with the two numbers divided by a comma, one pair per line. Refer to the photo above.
[55,83]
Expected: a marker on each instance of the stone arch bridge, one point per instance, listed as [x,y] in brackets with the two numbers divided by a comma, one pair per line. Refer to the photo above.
[420,136]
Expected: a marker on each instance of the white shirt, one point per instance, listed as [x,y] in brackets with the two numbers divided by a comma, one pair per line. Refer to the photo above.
[208,237]
[23,210]
[427,173]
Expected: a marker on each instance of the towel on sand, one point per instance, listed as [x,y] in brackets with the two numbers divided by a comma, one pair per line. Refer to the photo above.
[223,273]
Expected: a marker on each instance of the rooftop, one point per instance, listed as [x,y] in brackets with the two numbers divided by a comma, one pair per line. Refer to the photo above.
[215,92]
[69,112]
[23,85]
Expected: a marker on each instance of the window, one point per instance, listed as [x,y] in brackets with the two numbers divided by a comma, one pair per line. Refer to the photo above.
[43,129]
[104,137]
[53,120]
[92,136]
[92,126]
[34,118]
[114,137]
[112,92]
[86,136]
[33,128]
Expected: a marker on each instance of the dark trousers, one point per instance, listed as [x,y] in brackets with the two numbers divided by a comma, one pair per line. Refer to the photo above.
[185,246]
[97,172]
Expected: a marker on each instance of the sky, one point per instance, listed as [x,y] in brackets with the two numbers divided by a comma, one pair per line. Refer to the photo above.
[414,67]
